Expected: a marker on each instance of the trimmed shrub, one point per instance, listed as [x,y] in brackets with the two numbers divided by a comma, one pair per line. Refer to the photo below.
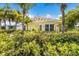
[39,44]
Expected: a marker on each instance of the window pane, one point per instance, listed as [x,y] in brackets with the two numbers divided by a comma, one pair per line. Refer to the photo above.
[51,27]
[40,27]
[47,27]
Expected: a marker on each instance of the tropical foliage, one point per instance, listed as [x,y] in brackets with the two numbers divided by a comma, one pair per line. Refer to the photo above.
[25,7]
[38,43]
[8,14]
[35,43]
[71,18]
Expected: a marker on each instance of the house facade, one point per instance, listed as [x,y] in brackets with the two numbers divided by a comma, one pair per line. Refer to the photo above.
[10,25]
[44,24]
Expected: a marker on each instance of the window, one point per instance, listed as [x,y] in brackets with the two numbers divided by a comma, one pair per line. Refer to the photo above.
[40,27]
[11,27]
[51,27]
[47,27]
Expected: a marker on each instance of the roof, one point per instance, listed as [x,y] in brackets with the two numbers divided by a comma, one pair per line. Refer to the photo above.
[44,19]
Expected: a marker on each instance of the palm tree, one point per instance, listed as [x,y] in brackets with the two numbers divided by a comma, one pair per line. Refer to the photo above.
[62,8]
[18,19]
[27,20]
[1,16]
[10,14]
[25,7]
[7,11]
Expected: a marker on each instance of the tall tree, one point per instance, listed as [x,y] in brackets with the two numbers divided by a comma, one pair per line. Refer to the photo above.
[1,16]
[18,19]
[62,8]
[6,13]
[25,7]
[71,18]
[27,20]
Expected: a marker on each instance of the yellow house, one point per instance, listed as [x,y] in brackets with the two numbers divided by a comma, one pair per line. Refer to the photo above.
[44,24]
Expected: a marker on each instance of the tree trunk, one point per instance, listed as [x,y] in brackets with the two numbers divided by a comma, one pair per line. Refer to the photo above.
[27,26]
[0,24]
[5,24]
[23,24]
[63,18]
[16,25]
[23,27]
[9,22]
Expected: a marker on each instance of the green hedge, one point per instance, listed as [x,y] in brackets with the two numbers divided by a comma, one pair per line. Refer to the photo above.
[39,43]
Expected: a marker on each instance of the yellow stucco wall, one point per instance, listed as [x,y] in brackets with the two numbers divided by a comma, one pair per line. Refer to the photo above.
[34,25]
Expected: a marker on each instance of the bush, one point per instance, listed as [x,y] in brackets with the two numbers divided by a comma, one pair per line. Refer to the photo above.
[39,43]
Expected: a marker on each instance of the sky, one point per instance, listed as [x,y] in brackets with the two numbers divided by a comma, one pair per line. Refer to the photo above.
[41,9]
